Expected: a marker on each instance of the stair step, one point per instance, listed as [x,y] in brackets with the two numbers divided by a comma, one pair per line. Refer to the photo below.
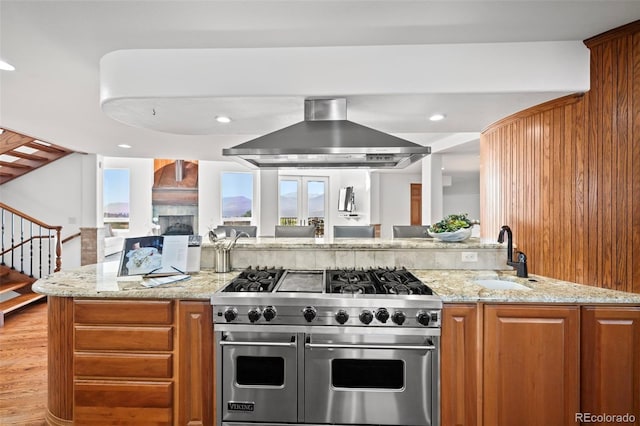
[14,165]
[26,156]
[13,286]
[10,140]
[18,302]
[42,153]
[47,148]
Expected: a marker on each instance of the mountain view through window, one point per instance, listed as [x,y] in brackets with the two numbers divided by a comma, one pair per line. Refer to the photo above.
[237,195]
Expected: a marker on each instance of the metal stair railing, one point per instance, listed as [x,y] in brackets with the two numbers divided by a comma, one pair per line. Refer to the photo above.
[29,240]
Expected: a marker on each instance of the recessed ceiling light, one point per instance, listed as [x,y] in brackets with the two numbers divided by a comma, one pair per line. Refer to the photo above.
[124,145]
[437,117]
[223,119]
[6,66]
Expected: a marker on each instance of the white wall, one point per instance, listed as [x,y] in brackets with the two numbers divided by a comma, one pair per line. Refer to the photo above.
[54,194]
[268,202]
[432,194]
[463,196]
[395,200]
[141,183]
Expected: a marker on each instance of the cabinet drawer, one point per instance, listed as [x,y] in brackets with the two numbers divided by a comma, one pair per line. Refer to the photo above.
[123,365]
[89,338]
[123,311]
[122,403]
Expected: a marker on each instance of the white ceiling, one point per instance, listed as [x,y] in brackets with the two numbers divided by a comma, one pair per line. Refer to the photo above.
[56,47]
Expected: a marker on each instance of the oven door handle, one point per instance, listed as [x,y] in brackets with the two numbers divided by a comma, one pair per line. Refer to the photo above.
[365,346]
[291,344]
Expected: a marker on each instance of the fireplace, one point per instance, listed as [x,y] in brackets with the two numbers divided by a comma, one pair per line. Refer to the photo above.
[176,224]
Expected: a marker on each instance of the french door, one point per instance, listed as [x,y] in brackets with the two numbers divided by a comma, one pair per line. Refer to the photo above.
[303,200]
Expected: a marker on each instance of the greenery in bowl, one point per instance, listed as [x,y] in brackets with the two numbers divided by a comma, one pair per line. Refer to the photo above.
[451,223]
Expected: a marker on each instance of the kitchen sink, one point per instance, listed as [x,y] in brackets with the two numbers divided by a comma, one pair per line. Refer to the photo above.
[495,284]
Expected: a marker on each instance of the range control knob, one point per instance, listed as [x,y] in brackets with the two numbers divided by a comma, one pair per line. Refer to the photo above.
[254,314]
[309,313]
[230,314]
[342,316]
[382,315]
[366,317]
[398,317]
[423,318]
[269,313]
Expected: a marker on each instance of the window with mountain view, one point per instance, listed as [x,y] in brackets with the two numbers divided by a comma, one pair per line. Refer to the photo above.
[288,203]
[303,201]
[116,198]
[237,197]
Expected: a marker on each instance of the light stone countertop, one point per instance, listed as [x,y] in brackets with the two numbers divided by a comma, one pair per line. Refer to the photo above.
[99,281]
[459,286]
[260,243]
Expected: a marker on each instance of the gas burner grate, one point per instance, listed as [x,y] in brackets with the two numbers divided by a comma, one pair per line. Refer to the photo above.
[264,285]
[349,281]
[399,281]
[255,280]
[366,288]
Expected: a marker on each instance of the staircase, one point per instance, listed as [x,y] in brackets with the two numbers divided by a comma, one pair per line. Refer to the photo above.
[30,250]
[19,154]
[11,283]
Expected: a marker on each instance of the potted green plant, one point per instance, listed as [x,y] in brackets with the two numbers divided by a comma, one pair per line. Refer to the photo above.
[453,228]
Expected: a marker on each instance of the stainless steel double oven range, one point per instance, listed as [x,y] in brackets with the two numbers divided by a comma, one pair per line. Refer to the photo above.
[339,347]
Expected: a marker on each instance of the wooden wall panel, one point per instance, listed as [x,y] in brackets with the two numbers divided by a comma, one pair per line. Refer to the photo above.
[634,189]
[565,175]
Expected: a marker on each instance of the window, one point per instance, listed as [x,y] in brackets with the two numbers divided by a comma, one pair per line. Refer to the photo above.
[288,205]
[116,198]
[237,197]
[303,201]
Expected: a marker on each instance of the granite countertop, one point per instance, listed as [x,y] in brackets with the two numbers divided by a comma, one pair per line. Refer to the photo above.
[99,281]
[260,243]
[459,286]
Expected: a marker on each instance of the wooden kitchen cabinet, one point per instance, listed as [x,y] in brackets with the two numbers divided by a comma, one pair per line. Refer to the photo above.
[531,365]
[142,362]
[610,360]
[123,362]
[461,369]
[195,363]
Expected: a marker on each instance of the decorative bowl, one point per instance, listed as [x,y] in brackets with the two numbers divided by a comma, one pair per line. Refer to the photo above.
[451,237]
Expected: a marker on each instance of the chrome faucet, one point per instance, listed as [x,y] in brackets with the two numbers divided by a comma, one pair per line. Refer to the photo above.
[521,264]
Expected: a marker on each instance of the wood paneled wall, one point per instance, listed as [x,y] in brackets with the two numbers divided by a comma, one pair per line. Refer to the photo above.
[565,175]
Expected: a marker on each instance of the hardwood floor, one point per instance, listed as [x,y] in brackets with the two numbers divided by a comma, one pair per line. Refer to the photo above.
[23,367]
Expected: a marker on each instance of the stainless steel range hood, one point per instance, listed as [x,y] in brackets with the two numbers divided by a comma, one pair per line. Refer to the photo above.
[326,139]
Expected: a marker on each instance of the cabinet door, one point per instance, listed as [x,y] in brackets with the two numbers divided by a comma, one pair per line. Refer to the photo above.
[460,370]
[611,361]
[531,360]
[120,402]
[195,369]
[123,362]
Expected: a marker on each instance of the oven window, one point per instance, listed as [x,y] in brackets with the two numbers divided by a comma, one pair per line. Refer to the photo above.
[260,370]
[367,373]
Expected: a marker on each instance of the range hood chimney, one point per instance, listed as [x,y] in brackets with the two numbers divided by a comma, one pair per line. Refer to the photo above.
[326,139]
